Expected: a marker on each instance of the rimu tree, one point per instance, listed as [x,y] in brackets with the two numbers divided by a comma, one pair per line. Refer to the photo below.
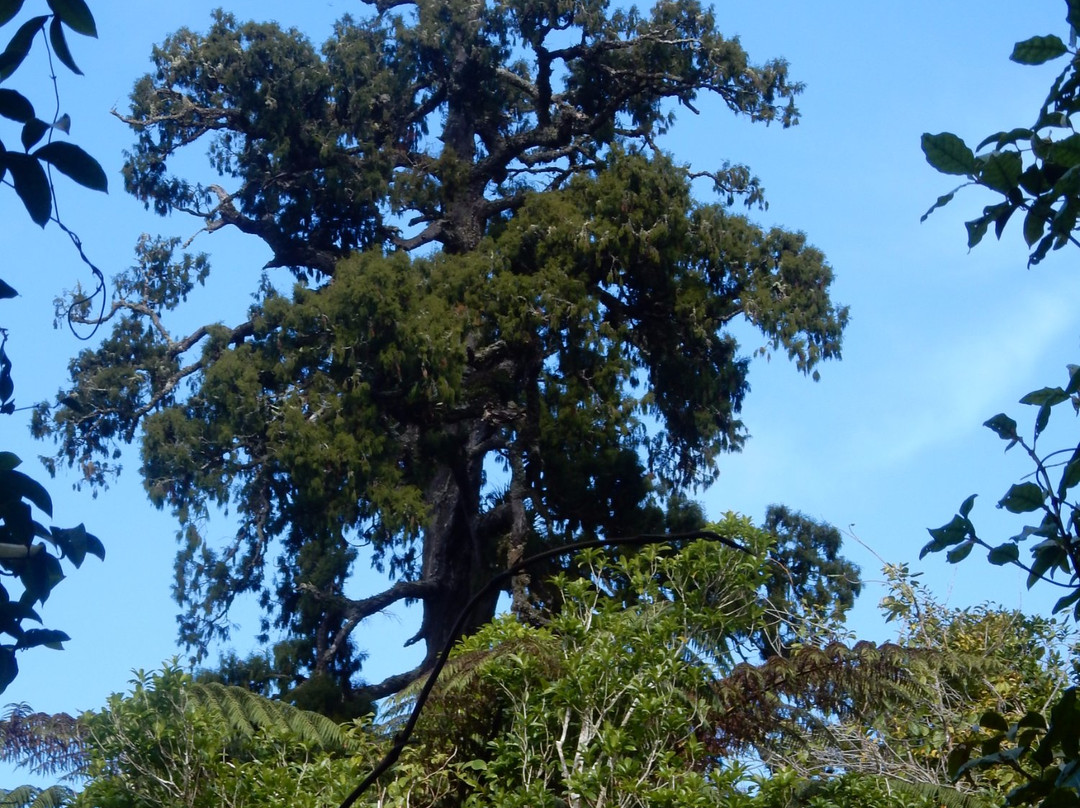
[495,265]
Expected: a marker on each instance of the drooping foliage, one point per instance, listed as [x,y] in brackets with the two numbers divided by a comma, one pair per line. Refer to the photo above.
[557,363]
[633,694]
[1034,168]
[35,564]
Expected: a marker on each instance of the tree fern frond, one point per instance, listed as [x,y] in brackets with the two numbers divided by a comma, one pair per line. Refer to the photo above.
[246,712]
[942,796]
[33,797]
[45,744]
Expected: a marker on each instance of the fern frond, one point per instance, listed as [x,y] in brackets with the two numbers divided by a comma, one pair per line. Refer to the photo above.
[32,797]
[942,796]
[44,744]
[246,712]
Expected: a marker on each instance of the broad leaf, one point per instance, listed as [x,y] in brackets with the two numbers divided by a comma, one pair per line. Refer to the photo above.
[16,485]
[32,186]
[60,46]
[966,506]
[15,106]
[75,15]
[1023,498]
[960,552]
[6,291]
[9,668]
[1003,554]
[1003,426]
[8,10]
[1000,139]
[948,153]
[993,720]
[977,229]
[19,46]
[1001,171]
[75,163]
[32,133]
[9,461]
[1038,49]
[50,638]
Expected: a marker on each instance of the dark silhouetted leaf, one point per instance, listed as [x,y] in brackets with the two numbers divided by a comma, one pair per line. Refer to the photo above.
[60,46]
[76,16]
[8,10]
[75,163]
[32,133]
[9,668]
[15,106]
[19,46]
[966,506]
[7,291]
[1023,498]
[1003,554]
[960,552]
[1003,426]
[31,185]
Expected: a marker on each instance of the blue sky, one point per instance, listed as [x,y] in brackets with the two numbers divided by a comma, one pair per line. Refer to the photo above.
[888,441]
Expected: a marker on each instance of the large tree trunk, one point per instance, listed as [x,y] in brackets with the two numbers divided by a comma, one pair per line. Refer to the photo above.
[458,554]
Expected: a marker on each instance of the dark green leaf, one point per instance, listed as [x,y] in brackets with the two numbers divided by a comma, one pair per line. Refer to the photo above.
[960,552]
[31,185]
[1066,152]
[1067,601]
[1040,252]
[76,16]
[16,485]
[957,530]
[19,46]
[50,638]
[1023,498]
[9,461]
[1038,49]
[1045,556]
[1042,419]
[8,10]
[1003,426]
[1001,171]
[9,668]
[942,201]
[7,291]
[75,163]
[40,576]
[1006,138]
[966,506]
[15,106]
[60,46]
[1035,224]
[1034,181]
[32,133]
[1070,477]
[976,230]
[948,153]
[1003,554]
[959,755]
[1032,719]
[993,720]
[1073,386]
